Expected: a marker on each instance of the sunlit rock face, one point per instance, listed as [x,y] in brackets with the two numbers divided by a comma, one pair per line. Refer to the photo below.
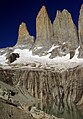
[44,29]
[65,31]
[23,32]
[44,32]
[24,37]
[61,33]
[80,31]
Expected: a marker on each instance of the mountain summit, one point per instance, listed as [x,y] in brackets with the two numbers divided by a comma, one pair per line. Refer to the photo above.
[62,33]
[24,37]
[58,39]
[23,32]
[43,25]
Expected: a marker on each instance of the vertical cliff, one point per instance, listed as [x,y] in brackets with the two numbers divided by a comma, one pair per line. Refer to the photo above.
[80,31]
[44,29]
[62,33]
[65,30]
[47,85]
[44,33]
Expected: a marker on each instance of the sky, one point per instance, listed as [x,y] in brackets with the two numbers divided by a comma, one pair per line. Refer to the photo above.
[13,12]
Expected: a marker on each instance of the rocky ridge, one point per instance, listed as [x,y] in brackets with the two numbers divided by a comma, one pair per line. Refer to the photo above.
[62,34]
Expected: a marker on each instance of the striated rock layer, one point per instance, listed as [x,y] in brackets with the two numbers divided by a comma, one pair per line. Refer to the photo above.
[48,85]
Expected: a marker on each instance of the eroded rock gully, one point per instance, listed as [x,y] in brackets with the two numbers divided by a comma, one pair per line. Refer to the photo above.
[47,85]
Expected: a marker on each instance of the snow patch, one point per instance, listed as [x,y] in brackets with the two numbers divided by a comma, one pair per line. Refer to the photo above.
[37,48]
[3,59]
[26,57]
[52,48]
[64,43]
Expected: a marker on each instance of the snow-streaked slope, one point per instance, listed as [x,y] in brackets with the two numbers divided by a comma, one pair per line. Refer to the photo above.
[26,57]
[64,61]
[3,59]
[52,48]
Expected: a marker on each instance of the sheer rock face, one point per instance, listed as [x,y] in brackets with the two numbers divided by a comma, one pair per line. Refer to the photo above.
[24,37]
[48,85]
[43,25]
[62,31]
[23,32]
[80,30]
[65,30]
[44,32]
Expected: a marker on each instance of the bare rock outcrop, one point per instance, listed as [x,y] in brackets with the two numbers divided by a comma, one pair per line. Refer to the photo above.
[80,31]
[62,33]
[65,30]
[47,85]
[23,32]
[44,29]
[24,37]
[44,32]
[12,57]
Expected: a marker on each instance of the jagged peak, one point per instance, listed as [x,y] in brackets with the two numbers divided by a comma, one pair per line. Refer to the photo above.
[65,11]
[43,9]
[82,6]
[42,12]
[23,31]
[23,23]
[58,15]
[58,12]
[67,14]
